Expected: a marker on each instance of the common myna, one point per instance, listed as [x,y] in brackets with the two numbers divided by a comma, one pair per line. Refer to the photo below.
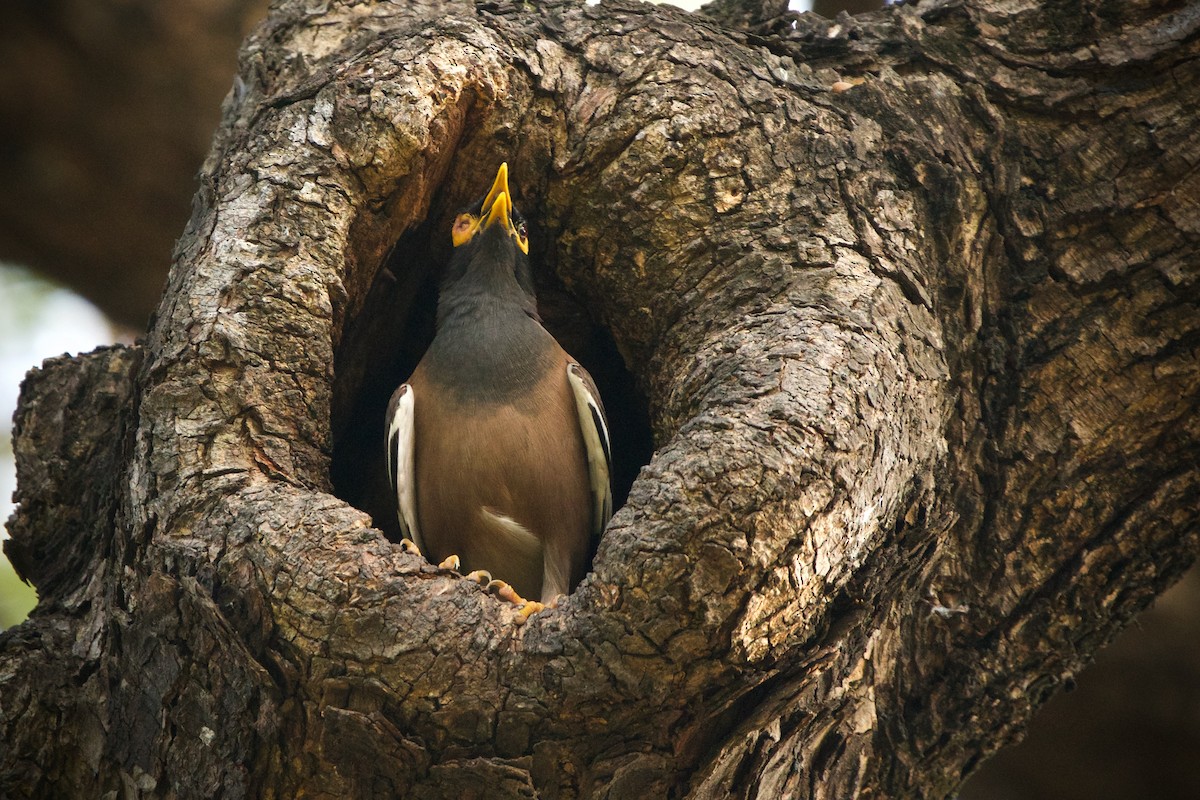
[498,447]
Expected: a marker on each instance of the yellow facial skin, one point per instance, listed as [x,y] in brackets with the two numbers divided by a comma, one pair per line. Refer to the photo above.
[496,208]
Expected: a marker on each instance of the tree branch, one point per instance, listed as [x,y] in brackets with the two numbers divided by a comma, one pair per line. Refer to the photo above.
[113,105]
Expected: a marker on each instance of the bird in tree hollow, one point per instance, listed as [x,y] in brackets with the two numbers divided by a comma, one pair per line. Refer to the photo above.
[498,448]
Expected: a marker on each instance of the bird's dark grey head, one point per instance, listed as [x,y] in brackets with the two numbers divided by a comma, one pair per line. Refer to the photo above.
[495,208]
[491,250]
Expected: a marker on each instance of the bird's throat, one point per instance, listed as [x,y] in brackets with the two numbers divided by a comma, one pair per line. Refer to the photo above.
[492,340]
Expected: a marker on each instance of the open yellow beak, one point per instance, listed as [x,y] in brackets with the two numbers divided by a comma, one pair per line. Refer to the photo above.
[496,208]
[499,186]
[501,212]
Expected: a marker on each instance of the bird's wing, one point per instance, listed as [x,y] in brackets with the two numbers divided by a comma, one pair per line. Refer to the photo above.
[401,447]
[595,438]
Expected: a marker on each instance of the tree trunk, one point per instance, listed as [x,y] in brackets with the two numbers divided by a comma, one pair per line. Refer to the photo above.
[908,308]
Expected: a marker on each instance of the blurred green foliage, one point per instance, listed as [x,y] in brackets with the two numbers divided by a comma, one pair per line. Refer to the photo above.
[37,319]
[17,598]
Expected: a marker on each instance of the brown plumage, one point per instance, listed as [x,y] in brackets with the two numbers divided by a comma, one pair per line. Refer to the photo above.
[487,471]
[497,443]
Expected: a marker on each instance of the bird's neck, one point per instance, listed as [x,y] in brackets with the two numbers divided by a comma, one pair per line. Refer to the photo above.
[485,282]
[492,337]
[485,293]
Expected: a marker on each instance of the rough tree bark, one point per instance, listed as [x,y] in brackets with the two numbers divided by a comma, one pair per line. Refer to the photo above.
[909,302]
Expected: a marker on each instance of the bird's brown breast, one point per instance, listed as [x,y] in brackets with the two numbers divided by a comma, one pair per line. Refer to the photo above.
[481,466]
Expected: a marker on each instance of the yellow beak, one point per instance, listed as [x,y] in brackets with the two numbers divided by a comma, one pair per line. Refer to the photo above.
[499,186]
[501,212]
[497,206]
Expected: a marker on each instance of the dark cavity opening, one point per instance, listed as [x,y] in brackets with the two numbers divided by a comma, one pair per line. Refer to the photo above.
[383,342]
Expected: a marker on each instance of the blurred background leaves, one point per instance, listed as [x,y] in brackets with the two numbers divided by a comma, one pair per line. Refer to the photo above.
[37,320]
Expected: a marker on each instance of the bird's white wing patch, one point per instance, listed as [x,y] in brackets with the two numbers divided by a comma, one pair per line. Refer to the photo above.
[401,445]
[595,438]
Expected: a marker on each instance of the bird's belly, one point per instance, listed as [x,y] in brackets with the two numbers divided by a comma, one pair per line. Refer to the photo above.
[505,490]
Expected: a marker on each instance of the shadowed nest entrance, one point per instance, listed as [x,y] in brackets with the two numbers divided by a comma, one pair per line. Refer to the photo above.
[385,339]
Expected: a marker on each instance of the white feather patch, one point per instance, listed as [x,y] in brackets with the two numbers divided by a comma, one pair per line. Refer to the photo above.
[595,438]
[401,461]
[517,538]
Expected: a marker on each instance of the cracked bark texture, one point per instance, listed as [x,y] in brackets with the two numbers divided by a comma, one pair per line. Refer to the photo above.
[909,306]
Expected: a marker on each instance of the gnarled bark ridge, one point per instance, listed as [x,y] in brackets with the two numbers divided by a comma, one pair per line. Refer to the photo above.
[910,307]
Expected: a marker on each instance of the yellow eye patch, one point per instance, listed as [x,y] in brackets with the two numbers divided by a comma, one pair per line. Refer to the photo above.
[464,228]
[522,240]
